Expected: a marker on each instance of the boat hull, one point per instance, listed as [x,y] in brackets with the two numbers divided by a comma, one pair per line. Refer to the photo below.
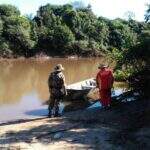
[79,90]
[74,95]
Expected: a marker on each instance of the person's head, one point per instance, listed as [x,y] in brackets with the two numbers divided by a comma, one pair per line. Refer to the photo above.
[58,68]
[102,66]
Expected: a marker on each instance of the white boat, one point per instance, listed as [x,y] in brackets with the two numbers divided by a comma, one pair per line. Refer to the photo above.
[80,90]
[86,84]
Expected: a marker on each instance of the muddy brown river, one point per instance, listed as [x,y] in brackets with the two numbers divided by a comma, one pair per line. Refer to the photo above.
[23,84]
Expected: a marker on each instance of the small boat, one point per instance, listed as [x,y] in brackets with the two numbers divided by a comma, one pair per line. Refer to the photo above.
[86,84]
[80,90]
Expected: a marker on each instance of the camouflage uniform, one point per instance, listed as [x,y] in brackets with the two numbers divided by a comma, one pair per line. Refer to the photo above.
[56,83]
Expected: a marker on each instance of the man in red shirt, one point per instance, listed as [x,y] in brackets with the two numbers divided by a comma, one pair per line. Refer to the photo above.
[105,81]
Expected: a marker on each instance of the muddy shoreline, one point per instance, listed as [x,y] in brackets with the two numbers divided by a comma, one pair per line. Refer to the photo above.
[125,126]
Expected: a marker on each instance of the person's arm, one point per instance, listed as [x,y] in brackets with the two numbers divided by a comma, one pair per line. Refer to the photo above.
[64,84]
[49,83]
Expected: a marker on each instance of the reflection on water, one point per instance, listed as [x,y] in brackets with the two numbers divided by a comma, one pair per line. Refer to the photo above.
[22,109]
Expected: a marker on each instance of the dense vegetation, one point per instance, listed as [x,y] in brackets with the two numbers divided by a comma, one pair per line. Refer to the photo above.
[65,30]
[134,63]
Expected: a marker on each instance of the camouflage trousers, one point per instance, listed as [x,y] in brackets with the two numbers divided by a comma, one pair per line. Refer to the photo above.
[54,103]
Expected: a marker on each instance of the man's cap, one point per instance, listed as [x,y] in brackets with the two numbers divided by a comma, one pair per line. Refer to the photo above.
[101,66]
[59,67]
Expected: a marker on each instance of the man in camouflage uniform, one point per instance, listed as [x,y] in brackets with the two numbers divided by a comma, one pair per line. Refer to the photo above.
[56,83]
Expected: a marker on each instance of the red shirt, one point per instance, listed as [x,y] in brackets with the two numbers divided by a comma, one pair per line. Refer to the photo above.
[105,79]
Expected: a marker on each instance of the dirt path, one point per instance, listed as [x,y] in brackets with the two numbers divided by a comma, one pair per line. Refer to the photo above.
[126,126]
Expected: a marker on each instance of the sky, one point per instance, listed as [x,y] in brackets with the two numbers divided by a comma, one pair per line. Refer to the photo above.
[107,8]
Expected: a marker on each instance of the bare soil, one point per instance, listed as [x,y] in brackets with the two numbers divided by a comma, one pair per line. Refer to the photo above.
[123,127]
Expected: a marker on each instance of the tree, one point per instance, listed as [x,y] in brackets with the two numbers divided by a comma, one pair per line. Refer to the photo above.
[136,26]
[60,30]
[5,50]
[46,17]
[139,54]
[138,57]
[8,10]
[121,35]
[53,41]
[17,31]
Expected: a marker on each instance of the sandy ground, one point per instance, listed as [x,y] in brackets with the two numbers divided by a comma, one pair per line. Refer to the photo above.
[123,127]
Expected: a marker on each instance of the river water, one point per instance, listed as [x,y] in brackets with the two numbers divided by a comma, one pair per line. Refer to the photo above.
[23,84]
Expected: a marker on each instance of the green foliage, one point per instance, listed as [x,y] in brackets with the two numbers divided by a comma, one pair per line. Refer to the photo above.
[61,36]
[5,48]
[123,74]
[120,75]
[139,54]
[140,82]
[54,40]
[116,54]
[67,30]
[121,35]
[135,26]
[46,16]
[17,32]
[17,21]
[135,62]
[8,10]
[78,48]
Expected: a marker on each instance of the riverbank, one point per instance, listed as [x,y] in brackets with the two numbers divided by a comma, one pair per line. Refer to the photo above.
[125,126]
[36,58]
[44,56]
